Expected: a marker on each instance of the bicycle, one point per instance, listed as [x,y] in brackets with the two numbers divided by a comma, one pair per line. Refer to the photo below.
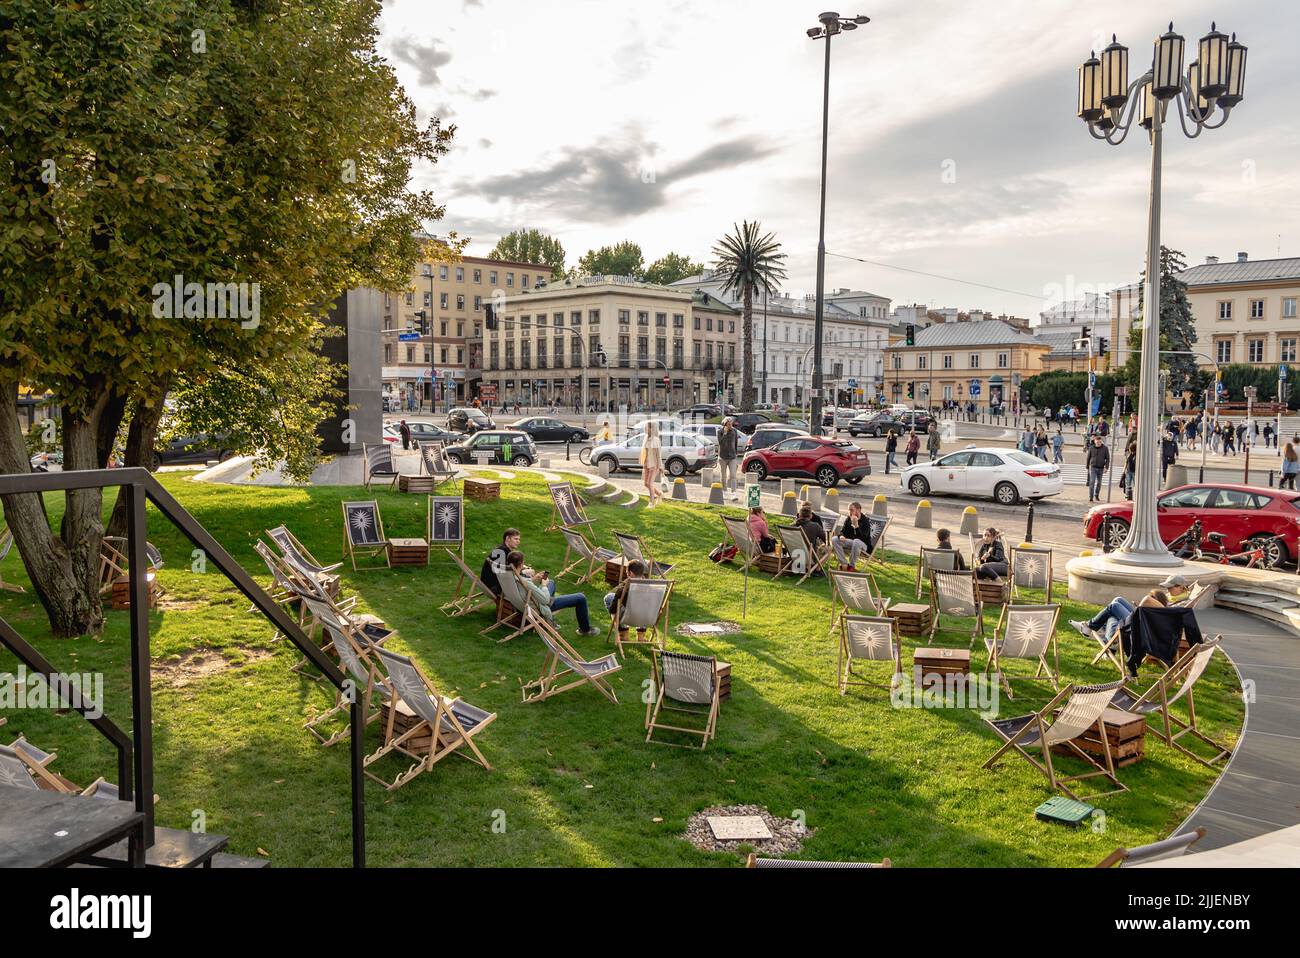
[584,455]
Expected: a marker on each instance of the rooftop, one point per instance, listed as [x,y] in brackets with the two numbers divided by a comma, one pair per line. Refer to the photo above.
[987,332]
[1239,271]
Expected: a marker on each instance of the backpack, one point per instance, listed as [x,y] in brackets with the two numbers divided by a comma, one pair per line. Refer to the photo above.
[723,552]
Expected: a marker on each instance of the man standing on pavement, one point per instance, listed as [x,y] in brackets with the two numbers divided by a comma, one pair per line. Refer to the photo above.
[729,455]
[1096,460]
[1168,454]
[932,440]
[405,431]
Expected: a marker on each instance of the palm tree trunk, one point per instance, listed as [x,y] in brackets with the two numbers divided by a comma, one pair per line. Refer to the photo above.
[747,353]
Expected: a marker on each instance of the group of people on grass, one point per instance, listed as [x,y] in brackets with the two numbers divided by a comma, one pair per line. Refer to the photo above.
[849,543]
[990,554]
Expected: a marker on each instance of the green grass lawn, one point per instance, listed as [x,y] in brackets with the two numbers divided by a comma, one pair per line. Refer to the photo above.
[573,776]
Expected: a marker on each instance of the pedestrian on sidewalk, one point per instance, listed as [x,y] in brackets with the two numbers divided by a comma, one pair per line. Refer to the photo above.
[913,447]
[1168,454]
[1268,435]
[1096,461]
[729,455]
[405,432]
[932,441]
[1130,466]
[1040,443]
[1058,443]
[891,447]
[1290,467]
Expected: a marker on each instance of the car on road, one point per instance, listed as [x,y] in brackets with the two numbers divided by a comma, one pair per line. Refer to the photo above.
[747,422]
[879,423]
[495,447]
[682,452]
[1006,475]
[421,432]
[821,458]
[1246,516]
[187,450]
[549,429]
[772,433]
[467,419]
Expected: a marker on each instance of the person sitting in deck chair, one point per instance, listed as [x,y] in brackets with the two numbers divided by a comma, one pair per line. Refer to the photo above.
[853,538]
[614,600]
[542,588]
[1113,615]
[990,557]
[496,559]
[943,540]
[811,527]
[759,531]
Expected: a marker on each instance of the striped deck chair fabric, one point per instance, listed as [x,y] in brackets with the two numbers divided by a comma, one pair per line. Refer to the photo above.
[684,684]
[642,608]
[563,661]
[955,595]
[738,533]
[378,463]
[933,558]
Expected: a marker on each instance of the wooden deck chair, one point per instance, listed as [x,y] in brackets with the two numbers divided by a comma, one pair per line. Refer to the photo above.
[854,593]
[642,605]
[435,465]
[14,772]
[7,543]
[583,553]
[755,861]
[869,638]
[282,589]
[444,523]
[563,661]
[933,558]
[1173,847]
[876,529]
[363,532]
[113,564]
[302,561]
[449,726]
[366,684]
[476,596]
[955,594]
[686,684]
[738,533]
[633,548]
[513,606]
[1025,632]
[35,762]
[378,463]
[1073,711]
[1031,568]
[1178,682]
[567,511]
[321,615]
[801,557]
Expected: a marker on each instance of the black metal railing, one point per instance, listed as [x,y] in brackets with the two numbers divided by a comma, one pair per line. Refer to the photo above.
[135,754]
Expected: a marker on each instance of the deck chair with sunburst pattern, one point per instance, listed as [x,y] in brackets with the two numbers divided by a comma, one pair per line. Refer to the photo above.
[854,593]
[1025,632]
[868,638]
[1031,568]
[363,533]
[955,595]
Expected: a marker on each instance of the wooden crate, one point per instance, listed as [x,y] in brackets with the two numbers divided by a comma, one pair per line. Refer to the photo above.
[914,618]
[724,680]
[938,661]
[482,490]
[993,594]
[1125,732]
[403,721]
[122,592]
[421,484]
[408,552]
[770,562]
[615,570]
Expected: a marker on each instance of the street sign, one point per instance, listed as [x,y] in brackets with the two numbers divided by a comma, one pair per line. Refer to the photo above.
[408,337]
[853,383]
[1281,371]
[974,387]
[753,495]
[1092,380]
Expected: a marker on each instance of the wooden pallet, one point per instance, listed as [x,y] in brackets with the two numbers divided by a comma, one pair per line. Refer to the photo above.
[615,570]
[724,680]
[1125,732]
[122,592]
[408,552]
[403,721]
[938,661]
[421,484]
[993,594]
[482,490]
[771,563]
[913,618]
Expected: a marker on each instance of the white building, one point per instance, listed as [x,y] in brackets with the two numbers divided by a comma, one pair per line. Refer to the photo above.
[1091,310]
[855,337]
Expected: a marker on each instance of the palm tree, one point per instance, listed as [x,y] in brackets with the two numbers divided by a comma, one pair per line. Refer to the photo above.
[748,262]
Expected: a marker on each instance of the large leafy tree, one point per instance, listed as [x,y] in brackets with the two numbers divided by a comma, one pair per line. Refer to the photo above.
[749,261]
[531,246]
[621,259]
[262,143]
[1177,328]
[671,267]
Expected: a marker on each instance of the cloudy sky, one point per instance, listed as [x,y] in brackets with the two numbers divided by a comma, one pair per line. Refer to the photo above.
[954,148]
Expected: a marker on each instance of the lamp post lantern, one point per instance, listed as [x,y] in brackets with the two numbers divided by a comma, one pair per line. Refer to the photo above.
[831,24]
[1202,97]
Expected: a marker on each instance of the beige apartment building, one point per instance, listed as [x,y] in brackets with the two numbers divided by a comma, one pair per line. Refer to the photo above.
[633,343]
[981,361]
[453,297]
[1245,311]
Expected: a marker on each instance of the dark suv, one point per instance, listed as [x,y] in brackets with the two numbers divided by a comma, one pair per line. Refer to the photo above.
[467,419]
[495,447]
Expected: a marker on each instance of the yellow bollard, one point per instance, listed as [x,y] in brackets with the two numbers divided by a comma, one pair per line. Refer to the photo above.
[880,506]
[923,519]
[715,494]
[789,506]
[679,488]
[970,522]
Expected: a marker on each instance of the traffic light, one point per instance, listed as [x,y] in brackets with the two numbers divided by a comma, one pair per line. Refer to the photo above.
[489,316]
[422,322]
[911,335]
[1103,345]
[911,390]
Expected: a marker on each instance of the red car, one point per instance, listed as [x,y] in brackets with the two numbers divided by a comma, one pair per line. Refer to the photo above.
[1243,514]
[821,458]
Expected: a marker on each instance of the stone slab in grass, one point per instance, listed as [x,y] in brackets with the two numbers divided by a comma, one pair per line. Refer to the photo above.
[785,835]
[739,828]
[708,628]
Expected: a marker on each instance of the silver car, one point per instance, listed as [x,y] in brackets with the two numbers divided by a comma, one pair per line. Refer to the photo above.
[682,453]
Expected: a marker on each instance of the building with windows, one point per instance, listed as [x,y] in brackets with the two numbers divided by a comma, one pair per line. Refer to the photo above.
[1245,311]
[983,362]
[632,342]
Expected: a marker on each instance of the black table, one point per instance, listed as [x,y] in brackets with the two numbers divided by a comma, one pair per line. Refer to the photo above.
[40,829]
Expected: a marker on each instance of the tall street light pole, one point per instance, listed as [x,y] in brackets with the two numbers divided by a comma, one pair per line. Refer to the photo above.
[831,24]
[1109,104]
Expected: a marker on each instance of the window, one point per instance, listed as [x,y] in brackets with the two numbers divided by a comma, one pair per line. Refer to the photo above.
[697,322]
[558,319]
[1256,309]
[708,324]
[1225,309]
[442,273]
[478,303]
[898,361]
[920,361]
[661,319]
[510,279]
[492,278]
[974,360]
[731,325]
[1002,360]
[1223,350]
[575,318]
[460,274]
[1288,307]
[460,328]
[1195,498]
[478,276]
[679,321]
[642,318]
[410,299]
[460,300]
[624,317]
[541,319]
[947,361]
[593,317]
[1256,350]
[1287,350]
[442,300]
[428,299]
[987,459]
[494,356]
[523,280]
[956,459]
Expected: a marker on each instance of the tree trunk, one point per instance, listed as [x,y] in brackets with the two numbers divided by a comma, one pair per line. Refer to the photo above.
[64,571]
[747,353]
[140,444]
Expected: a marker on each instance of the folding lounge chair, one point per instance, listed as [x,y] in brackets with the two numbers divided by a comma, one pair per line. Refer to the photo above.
[755,862]
[36,763]
[302,561]
[854,593]
[512,608]
[801,557]
[1073,711]
[363,532]
[322,615]
[434,462]
[929,558]
[113,564]
[566,507]
[444,522]
[738,533]
[561,653]
[14,771]
[366,684]
[449,725]
[867,638]
[1031,568]
[643,607]
[634,550]
[1178,682]
[955,595]
[378,463]
[1173,847]
[1025,632]
[7,543]
[577,545]
[876,529]
[283,589]
[686,684]
[475,598]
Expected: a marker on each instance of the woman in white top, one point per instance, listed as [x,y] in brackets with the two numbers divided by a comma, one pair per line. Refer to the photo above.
[652,462]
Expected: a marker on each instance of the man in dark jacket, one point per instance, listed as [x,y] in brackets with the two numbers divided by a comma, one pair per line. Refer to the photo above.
[1168,454]
[405,432]
[1097,461]
[496,560]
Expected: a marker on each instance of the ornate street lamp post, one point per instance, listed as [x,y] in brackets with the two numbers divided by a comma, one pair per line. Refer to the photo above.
[1202,97]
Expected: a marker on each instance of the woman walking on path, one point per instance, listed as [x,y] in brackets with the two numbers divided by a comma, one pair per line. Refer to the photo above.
[1058,443]
[652,462]
[913,447]
[891,447]
[1290,467]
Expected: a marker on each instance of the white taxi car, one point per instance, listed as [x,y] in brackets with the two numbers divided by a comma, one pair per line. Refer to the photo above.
[1006,475]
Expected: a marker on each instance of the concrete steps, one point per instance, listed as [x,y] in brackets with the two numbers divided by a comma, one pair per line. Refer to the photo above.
[1277,608]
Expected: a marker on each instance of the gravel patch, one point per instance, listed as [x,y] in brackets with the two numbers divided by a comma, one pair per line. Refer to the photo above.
[787,833]
[696,629]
